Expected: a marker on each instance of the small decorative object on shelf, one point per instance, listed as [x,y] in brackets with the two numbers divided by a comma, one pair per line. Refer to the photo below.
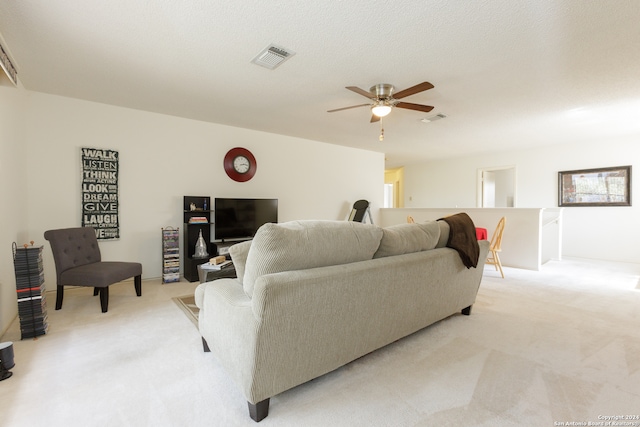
[218,260]
[170,255]
[32,306]
[201,248]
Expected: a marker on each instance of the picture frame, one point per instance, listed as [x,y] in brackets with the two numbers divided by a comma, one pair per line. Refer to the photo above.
[610,186]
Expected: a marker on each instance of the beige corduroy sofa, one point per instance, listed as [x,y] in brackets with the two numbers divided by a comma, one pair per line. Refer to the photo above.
[312,296]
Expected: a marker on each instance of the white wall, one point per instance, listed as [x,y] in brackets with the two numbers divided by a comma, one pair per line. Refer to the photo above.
[13,186]
[608,233]
[163,158]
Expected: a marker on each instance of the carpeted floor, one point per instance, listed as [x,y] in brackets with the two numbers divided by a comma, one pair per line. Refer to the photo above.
[541,348]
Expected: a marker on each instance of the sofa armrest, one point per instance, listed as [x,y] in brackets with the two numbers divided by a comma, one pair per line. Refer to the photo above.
[228,325]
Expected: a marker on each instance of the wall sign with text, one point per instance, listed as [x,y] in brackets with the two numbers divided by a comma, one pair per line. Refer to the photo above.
[100,192]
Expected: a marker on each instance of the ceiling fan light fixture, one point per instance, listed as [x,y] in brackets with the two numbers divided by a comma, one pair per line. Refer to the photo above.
[381,109]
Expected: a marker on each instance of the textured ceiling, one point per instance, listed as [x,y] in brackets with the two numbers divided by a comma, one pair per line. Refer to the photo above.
[508,74]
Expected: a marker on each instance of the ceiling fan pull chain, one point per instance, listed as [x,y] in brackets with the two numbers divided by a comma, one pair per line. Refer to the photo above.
[381,130]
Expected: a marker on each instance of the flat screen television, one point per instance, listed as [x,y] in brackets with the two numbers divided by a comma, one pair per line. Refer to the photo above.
[236,219]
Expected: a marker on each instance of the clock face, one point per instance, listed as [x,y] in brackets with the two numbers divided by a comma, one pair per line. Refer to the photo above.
[239,164]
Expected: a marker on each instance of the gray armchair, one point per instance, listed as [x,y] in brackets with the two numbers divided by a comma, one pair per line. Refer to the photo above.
[79,263]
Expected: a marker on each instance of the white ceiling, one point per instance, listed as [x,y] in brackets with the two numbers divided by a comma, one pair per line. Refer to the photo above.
[508,74]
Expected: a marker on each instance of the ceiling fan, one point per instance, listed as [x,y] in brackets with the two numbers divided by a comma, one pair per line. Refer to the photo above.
[384,100]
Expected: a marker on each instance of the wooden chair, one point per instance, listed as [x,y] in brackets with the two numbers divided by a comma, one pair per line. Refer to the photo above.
[496,246]
[79,263]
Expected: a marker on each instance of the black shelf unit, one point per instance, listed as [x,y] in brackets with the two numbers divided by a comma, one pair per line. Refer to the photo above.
[196,206]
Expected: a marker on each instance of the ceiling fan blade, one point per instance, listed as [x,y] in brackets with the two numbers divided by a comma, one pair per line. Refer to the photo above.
[413,90]
[417,107]
[361,92]
[347,108]
[374,118]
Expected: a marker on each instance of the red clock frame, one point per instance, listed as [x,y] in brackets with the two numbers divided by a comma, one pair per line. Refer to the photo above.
[230,170]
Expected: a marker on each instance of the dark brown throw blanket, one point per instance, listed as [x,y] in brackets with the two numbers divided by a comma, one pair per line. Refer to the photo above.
[462,238]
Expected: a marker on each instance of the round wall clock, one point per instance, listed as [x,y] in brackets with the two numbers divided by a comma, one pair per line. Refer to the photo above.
[240,164]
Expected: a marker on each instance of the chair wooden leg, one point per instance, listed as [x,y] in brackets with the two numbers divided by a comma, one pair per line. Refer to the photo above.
[59,297]
[493,260]
[499,265]
[138,284]
[467,311]
[104,298]
[205,346]
[259,411]
[96,291]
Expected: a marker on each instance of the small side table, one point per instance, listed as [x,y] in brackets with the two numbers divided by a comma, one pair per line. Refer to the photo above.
[228,272]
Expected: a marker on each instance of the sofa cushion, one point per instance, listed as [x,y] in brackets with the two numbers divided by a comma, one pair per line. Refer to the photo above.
[444,234]
[299,245]
[238,253]
[406,238]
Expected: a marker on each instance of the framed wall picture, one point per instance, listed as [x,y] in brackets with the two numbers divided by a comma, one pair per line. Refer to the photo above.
[595,187]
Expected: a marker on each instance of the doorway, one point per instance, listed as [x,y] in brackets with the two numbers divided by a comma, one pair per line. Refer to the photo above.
[497,187]
[394,188]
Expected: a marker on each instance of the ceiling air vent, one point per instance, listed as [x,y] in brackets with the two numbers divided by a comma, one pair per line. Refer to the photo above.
[433,118]
[272,56]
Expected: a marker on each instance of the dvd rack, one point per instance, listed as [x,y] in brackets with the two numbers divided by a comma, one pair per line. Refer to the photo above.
[170,255]
[30,289]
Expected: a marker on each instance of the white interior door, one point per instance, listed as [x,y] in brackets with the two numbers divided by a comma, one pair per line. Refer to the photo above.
[488,189]
[389,196]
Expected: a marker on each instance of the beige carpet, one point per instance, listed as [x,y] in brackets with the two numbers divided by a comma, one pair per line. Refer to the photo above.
[539,349]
